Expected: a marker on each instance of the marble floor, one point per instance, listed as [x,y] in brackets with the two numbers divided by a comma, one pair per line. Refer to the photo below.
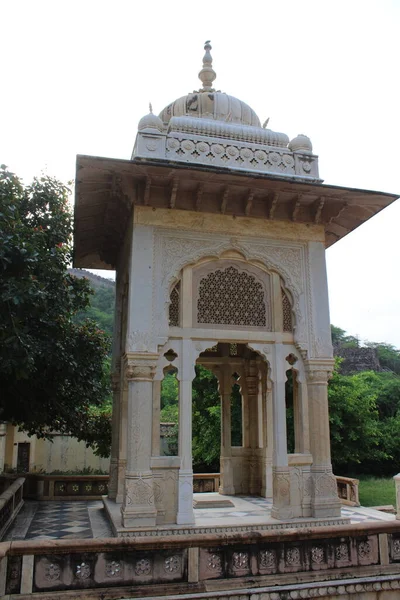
[77,520]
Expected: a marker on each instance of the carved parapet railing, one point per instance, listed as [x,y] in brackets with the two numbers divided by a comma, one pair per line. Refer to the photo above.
[11,501]
[327,562]
[71,487]
[206,482]
[348,490]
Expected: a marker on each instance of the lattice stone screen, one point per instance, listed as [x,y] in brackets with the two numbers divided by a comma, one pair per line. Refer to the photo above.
[287,313]
[230,295]
[174,305]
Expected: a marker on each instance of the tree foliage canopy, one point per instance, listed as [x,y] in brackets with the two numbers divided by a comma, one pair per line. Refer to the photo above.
[51,368]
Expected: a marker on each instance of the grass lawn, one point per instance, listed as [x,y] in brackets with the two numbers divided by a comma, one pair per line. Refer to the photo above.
[377,491]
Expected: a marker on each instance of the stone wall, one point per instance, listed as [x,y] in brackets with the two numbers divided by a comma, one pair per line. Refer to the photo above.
[357,359]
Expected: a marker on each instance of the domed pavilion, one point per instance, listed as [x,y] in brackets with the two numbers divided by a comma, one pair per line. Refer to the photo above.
[217,229]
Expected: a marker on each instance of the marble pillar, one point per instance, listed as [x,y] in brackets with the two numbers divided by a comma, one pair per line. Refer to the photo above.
[138,508]
[281,508]
[186,373]
[226,468]
[325,501]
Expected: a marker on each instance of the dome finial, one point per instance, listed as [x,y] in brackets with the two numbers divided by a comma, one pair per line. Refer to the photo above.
[207,73]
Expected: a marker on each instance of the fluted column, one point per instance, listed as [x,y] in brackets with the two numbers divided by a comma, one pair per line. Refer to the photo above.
[325,501]
[138,508]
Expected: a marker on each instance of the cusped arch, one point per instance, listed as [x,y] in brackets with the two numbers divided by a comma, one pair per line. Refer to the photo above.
[204,254]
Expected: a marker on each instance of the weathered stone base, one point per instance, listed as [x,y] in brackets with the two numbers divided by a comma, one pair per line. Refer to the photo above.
[114,515]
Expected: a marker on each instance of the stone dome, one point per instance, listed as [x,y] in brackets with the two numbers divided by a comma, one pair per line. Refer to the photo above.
[300,143]
[210,104]
[150,122]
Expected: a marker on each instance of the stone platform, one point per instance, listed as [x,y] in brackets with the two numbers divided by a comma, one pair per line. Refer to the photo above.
[242,514]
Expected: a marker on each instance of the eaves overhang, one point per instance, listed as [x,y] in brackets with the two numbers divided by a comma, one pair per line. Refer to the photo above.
[107,190]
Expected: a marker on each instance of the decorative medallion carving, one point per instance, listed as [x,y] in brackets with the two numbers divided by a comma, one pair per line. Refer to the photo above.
[364,549]
[143,566]
[214,562]
[82,571]
[240,561]
[267,559]
[317,554]
[113,568]
[139,491]
[293,557]
[342,552]
[396,548]
[172,564]
[52,572]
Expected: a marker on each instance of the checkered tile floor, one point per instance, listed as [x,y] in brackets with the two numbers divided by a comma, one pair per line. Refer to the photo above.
[60,520]
[77,520]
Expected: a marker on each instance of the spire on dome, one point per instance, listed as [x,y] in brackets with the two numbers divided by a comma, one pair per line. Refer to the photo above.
[207,73]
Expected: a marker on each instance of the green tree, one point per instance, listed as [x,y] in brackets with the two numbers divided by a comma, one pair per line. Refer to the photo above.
[354,420]
[51,368]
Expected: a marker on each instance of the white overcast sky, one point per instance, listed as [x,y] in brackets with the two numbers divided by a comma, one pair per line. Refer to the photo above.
[78,75]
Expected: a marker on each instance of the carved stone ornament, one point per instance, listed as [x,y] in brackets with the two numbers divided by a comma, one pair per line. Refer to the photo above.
[143,566]
[293,557]
[139,491]
[214,562]
[113,568]
[139,341]
[172,564]
[82,571]
[396,548]
[281,483]
[267,559]
[240,561]
[325,484]
[52,572]
[317,555]
[139,371]
[364,549]
[174,251]
[342,552]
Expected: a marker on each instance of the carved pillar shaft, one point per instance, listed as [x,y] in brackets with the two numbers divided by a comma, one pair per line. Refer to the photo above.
[280,470]
[116,387]
[225,388]
[185,487]
[325,501]
[138,507]
[3,430]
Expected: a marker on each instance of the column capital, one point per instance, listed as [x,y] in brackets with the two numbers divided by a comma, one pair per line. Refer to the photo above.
[319,371]
[140,366]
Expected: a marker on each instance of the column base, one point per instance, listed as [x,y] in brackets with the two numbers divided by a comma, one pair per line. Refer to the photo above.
[281,508]
[325,501]
[138,509]
[140,517]
[185,515]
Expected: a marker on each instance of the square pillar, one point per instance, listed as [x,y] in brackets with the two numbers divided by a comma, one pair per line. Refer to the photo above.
[138,508]
[325,501]
[281,508]
[186,374]
[224,376]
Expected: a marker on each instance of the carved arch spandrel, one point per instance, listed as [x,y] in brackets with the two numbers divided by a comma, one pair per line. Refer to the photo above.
[174,252]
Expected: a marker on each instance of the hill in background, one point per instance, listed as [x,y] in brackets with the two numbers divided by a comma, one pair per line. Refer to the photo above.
[102,303]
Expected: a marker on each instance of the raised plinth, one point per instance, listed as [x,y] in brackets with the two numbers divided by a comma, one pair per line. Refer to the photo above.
[245,514]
